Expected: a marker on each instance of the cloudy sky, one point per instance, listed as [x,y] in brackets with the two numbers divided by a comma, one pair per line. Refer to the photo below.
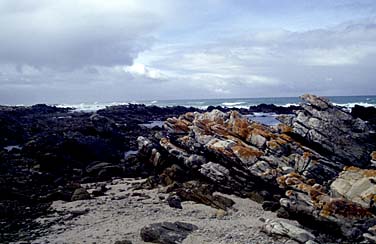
[69,51]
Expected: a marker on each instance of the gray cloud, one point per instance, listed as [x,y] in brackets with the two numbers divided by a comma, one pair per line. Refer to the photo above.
[331,61]
[72,34]
[88,50]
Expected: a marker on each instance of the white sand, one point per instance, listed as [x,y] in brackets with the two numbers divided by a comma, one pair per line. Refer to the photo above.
[108,220]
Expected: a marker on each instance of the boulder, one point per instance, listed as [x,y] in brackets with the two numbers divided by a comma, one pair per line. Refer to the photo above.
[123,242]
[174,201]
[357,185]
[283,228]
[201,193]
[167,232]
[99,191]
[103,169]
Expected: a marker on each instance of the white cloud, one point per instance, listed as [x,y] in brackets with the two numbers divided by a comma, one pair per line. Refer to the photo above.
[138,69]
[337,56]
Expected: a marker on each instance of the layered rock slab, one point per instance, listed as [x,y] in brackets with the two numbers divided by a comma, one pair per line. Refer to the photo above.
[298,159]
[333,131]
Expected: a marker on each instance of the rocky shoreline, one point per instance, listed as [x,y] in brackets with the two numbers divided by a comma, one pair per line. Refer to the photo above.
[317,167]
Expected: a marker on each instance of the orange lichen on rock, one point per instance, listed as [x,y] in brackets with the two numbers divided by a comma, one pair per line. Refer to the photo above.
[182,125]
[165,142]
[371,197]
[289,179]
[240,127]
[327,205]
[373,156]
[276,143]
[286,137]
[261,132]
[273,144]
[280,141]
[246,152]
[344,208]
[205,125]
[184,140]
[307,155]
[220,146]
[219,129]
[366,172]
[285,128]
[190,116]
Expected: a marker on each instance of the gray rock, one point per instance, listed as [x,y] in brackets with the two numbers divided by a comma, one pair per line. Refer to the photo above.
[282,228]
[311,242]
[332,130]
[291,242]
[369,237]
[357,185]
[167,232]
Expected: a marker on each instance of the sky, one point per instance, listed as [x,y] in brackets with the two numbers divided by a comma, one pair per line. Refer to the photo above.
[72,51]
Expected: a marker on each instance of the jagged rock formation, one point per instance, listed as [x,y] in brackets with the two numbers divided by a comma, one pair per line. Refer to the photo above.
[333,131]
[312,206]
[299,159]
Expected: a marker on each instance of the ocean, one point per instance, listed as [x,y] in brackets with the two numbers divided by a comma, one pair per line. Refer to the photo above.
[345,101]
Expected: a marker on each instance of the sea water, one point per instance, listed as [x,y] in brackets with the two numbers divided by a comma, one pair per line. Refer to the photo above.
[345,101]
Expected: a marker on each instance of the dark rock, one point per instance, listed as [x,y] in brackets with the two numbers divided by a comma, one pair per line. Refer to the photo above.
[100,190]
[57,145]
[174,201]
[167,232]
[201,193]
[80,194]
[270,206]
[95,167]
[364,113]
[271,108]
[123,242]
